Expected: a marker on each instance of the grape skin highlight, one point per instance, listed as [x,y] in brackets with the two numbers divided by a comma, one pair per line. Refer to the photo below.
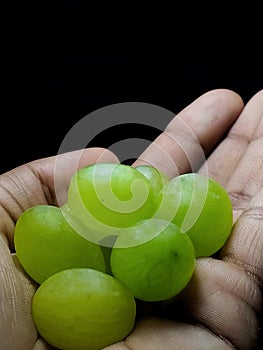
[83,309]
[106,196]
[156,178]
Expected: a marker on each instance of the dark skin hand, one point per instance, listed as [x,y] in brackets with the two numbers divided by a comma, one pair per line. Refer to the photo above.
[220,307]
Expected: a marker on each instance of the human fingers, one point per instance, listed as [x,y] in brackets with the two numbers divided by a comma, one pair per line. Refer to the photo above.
[17,331]
[247,178]
[222,297]
[43,181]
[157,333]
[225,296]
[244,248]
[193,133]
[237,163]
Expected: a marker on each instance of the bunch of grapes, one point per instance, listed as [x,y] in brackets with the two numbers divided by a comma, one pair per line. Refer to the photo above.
[125,234]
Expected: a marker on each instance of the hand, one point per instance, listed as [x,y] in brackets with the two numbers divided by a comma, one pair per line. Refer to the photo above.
[221,303]
[220,307]
[21,188]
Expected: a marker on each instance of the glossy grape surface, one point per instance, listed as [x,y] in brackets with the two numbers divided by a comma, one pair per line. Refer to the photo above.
[153,259]
[201,207]
[83,309]
[106,196]
[45,243]
[156,178]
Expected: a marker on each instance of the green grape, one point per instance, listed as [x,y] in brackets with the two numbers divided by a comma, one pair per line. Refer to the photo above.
[201,208]
[153,259]
[155,176]
[83,309]
[45,243]
[106,197]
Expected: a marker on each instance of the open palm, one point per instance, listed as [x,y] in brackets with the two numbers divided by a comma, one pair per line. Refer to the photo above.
[219,309]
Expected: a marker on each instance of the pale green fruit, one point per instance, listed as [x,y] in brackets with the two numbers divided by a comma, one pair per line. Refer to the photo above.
[45,243]
[200,207]
[153,259]
[156,178]
[108,197]
[83,309]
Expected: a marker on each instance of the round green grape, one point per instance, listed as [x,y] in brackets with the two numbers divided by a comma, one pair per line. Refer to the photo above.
[153,259]
[201,208]
[155,176]
[106,196]
[80,309]
[45,243]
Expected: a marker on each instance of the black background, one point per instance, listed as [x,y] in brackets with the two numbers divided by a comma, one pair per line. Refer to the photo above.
[69,58]
[72,57]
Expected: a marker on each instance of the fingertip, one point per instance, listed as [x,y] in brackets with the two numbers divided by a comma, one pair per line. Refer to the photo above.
[193,133]
[225,94]
[226,101]
[96,155]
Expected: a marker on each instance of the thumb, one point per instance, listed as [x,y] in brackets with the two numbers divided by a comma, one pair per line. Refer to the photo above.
[43,181]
